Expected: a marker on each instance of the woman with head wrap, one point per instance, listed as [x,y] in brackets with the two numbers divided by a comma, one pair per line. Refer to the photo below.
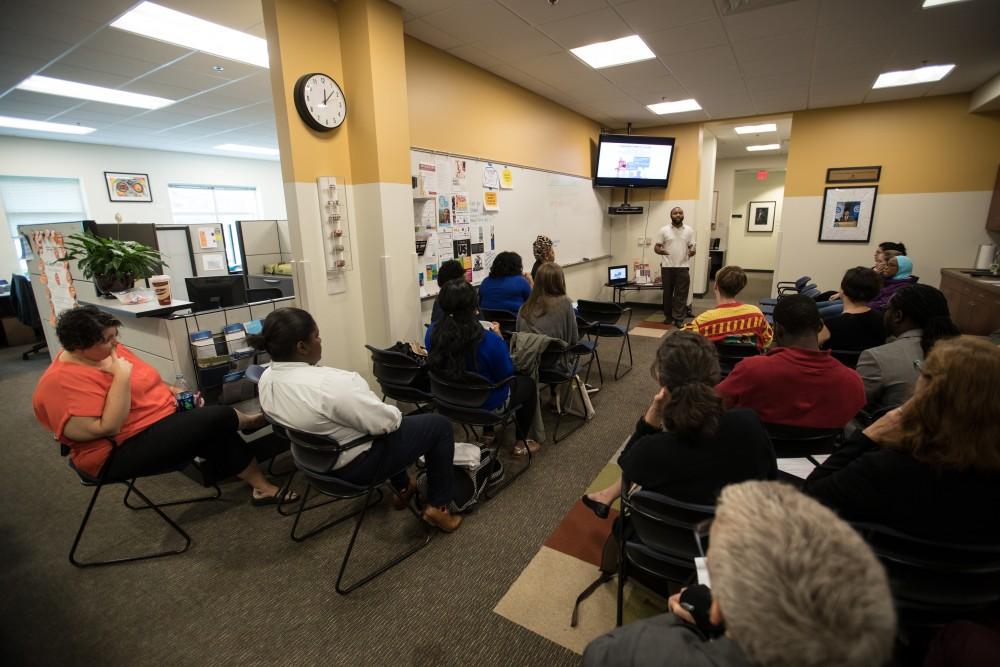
[543,251]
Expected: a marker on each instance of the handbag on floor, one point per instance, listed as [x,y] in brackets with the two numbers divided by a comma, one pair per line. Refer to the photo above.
[475,470]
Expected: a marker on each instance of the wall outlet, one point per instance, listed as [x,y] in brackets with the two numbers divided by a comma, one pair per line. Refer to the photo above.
[644,241]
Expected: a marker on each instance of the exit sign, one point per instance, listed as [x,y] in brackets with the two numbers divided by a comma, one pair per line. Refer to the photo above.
[762,175]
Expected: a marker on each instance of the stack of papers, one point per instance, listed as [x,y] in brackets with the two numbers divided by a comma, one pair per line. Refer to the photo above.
[800,467]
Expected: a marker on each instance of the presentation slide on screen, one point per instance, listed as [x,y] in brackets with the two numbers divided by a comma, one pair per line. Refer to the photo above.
[633,161]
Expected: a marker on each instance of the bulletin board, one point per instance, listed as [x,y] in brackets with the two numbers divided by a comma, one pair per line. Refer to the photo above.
[472,208]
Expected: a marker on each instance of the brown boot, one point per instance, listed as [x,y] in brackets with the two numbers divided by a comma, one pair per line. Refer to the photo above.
[442,518]
[401,499]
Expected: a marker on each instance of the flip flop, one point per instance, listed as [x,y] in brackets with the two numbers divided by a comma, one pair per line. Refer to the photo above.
[261,501]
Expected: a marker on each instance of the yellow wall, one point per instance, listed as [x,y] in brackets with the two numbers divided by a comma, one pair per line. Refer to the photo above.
[458,108]
[686,161]
[316,48]
[929,144]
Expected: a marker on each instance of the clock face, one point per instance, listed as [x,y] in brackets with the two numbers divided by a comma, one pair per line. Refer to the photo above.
[320,101]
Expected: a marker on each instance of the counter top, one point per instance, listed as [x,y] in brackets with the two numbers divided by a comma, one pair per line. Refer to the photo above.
[990,282]
[148,309]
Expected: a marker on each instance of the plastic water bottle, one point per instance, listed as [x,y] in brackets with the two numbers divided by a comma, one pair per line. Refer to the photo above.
[185,397]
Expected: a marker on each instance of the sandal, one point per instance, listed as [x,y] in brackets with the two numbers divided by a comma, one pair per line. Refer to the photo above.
[261,501]
[520,450]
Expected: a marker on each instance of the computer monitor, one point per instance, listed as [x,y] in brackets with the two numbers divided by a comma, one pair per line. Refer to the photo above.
[618,275]
[213,292]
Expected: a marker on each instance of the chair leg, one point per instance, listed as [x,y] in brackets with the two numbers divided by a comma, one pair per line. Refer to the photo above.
[620,601]
[565,402]
[626,342]
[159,554]
[428,536]
[215,495]
[305,507]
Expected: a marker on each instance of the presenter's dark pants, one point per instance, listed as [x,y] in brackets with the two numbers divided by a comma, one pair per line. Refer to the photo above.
[210,433]
[676,281]
[430,436]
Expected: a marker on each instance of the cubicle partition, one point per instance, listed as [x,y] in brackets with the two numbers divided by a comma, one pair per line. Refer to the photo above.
[265,244]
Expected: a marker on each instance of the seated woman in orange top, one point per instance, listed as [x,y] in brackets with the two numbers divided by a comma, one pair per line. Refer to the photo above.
[96,389]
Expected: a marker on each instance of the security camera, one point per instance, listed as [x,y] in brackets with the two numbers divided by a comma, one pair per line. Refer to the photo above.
[553,2]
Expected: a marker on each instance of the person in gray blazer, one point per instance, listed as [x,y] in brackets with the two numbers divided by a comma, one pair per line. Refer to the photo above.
[917,316]
[792,583]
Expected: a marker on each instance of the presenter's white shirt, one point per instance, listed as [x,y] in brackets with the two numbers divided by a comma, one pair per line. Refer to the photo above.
[326,401]
[677,241]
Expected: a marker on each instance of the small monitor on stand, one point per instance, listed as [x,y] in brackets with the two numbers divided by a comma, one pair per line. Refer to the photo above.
[214,292]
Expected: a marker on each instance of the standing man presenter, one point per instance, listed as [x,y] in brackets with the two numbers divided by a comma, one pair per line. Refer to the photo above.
[675,246]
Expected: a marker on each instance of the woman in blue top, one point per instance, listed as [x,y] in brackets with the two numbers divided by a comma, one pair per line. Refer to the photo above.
[507,287]
[457,343]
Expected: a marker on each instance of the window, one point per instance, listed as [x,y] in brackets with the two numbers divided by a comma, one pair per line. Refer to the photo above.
[223,204]
[30,200]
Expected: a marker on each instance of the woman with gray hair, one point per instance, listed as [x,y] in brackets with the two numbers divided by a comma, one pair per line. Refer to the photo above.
[794,585]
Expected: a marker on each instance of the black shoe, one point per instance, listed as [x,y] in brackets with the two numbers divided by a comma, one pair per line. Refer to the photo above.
[600,509]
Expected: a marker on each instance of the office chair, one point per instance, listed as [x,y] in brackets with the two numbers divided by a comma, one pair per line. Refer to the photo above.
[506,319]
[401,378]
[602,322]
[798,442]
[22,300]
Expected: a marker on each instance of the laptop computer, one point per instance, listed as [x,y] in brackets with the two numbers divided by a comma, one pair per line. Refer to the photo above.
[618,275]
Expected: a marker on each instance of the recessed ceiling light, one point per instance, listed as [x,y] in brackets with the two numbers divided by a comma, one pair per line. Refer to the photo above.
[616,52]
[674,107]
[218,68]
[764,147]
[85,91]
[937,3]
[42,126]
[756,129]
[240,148]
[909,77]
[167,25]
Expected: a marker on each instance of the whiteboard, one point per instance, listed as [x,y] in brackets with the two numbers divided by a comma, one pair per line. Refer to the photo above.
[566,208]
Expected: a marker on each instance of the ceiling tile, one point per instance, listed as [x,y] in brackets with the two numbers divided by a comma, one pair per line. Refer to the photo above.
[651,91]
[691,37]
[424,7]
[539,11]
[100,61]
[527,44]
[653,15]
[475,55]
[600,26]
[635,72]
[235,14]
[716,64]
[799,16]
[790,99]
[50,104]
[430,34]
[204,64]
[129,45]
[59,70]
[838,94]
[189,82]
[790,52]
[475,21]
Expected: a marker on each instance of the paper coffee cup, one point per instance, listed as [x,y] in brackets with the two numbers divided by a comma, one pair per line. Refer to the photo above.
[161,285]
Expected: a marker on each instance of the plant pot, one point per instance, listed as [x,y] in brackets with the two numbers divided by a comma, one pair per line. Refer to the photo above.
[113,282]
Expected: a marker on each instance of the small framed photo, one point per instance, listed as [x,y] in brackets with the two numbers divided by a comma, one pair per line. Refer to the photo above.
[760,216]
[853,174]
[847,214]
[128,187]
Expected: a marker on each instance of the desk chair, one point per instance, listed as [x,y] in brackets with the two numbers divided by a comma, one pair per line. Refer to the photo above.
[401,378]
[732,353]
[934,583]
[315,456]
[461,400]
[602,322]
[558,367]
[103,480]
[22,300]
[788,287]
[506,319]
[657,540]
[798,442]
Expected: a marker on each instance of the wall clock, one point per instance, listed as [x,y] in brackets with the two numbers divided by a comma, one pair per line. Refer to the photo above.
[320,101]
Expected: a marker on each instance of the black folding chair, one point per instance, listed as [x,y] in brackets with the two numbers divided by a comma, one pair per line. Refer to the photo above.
[732,353]
[401,378]
[506,319]
[797,442]
[847,357]
[315,456]
[602,322]
[934,583]
[103,480]
[461,400]
[657,540]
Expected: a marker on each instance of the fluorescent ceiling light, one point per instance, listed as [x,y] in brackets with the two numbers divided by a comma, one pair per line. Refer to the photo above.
[764,147]
[908,77]
[674,107]
[167,25]
[616,52]
[85,91]
[756,129]
[240,148]
[937,3]
[42,126]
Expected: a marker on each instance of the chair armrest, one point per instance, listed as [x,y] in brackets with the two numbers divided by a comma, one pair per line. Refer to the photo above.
[628,322]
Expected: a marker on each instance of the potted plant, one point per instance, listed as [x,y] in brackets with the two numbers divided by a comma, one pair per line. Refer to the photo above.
[113,265]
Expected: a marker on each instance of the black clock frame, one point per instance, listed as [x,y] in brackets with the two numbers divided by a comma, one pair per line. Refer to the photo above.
[299,95]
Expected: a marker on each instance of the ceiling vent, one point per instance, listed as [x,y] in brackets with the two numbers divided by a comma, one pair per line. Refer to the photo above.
[730,7]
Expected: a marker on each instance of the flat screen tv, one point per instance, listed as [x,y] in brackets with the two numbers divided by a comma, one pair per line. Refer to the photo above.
[629,161]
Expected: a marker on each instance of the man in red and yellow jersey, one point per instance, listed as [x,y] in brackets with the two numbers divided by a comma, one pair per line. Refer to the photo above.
[731,319]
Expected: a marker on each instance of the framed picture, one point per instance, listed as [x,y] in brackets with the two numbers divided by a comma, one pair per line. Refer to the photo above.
[760,216]
[128,187]
[853,174]
[847,214]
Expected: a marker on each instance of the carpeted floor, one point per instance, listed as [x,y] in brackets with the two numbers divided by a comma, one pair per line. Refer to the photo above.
[245,594]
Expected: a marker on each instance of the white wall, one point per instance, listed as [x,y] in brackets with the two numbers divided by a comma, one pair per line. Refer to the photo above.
[754,250]
[725,172]
[940,230]
[88,162]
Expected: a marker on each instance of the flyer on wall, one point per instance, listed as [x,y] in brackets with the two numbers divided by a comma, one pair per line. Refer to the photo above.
[55,274]
[427,185]
[458,173]
[444,210]
[491,178]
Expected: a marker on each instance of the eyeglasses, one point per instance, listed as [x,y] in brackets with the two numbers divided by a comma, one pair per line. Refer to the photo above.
[918,364]
[701,531]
